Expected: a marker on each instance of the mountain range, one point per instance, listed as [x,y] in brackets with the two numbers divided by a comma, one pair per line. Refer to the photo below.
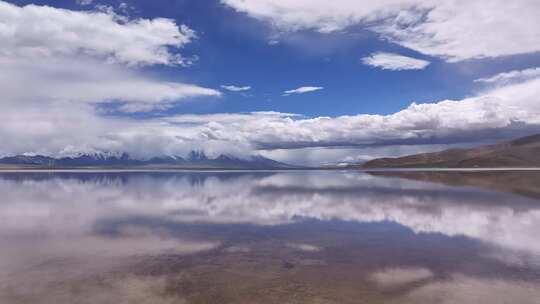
[194,160]
[522,152]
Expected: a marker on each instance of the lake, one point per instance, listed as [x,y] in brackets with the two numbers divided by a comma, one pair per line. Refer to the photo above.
[319,237]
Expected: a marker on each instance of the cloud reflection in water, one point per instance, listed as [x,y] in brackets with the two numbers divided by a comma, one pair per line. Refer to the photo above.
[95,222]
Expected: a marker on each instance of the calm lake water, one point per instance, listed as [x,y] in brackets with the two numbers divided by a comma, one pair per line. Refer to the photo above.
[270,237]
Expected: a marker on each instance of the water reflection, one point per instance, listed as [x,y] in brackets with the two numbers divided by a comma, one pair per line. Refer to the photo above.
[298,237]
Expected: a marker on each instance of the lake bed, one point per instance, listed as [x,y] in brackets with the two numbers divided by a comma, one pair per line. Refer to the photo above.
[270,237]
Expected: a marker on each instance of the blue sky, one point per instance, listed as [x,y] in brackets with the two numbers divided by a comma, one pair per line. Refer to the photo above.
[273,47]
[234,49]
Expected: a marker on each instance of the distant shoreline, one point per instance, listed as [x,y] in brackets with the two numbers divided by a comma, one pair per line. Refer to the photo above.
[119,170]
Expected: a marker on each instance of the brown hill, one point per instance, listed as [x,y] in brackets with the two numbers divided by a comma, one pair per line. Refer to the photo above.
[522,152]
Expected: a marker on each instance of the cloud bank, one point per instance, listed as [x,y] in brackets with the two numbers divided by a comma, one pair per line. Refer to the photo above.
[64,127]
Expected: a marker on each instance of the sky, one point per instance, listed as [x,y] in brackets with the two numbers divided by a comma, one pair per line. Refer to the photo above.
[300,81]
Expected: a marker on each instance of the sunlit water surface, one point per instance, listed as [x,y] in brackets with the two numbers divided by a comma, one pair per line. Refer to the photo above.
[270,237]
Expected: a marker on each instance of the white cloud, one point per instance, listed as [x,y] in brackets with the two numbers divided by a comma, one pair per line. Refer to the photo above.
[460,30]
[84,2]
[50,90]
[41,31]
[124,7]
[302,90]
[512,108]
[317,156]
[517,75]
[226,117]
[455,30]
[58,64]
[395,62]
[86,80]
[234,88]
[321,15]
[51,55]
[60,128]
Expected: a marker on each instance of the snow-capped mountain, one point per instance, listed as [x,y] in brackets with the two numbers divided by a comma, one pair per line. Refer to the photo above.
[195,159]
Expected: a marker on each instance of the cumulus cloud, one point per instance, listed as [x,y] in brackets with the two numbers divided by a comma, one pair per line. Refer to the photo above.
[66,129]
[460,30]
[302,90]
[41,31]
[453,30]
[234,88]
[395,62]
[56,55]
[517,75]
[59,65]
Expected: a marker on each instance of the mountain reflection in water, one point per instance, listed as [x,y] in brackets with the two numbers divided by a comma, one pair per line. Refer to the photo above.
[291,237]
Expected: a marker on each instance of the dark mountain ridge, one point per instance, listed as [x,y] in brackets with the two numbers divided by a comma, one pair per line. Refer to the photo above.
[522,152]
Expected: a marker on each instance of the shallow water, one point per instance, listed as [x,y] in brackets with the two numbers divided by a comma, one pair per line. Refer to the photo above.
[270,237]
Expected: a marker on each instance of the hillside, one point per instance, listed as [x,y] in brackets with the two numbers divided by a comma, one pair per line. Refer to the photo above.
[522,152]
